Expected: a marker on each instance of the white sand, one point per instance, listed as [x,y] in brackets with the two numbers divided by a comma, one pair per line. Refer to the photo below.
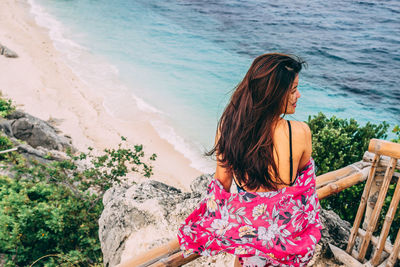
[41,83]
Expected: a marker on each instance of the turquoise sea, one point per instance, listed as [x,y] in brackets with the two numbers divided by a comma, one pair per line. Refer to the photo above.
[180,60]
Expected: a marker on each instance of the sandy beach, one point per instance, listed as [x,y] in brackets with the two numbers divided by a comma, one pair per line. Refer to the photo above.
[40,82]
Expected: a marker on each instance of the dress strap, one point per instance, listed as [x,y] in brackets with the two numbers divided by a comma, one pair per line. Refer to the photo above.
[291,153]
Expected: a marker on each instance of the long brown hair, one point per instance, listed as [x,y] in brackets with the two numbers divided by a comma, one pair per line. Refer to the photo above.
[246,126]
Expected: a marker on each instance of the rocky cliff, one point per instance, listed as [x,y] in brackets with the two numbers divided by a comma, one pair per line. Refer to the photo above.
[41,140]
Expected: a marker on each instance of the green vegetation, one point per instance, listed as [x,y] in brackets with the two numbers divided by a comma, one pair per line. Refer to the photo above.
[396,131]
[38,218]
[50,212]
[341,142]
[338,143]
[6,106]
[5,143]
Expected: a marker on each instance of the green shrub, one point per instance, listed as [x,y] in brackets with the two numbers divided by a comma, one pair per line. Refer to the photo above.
[338,143]
[6,107]
[396,131]
[49,212]
[341,142]
[5,143]
[39,218]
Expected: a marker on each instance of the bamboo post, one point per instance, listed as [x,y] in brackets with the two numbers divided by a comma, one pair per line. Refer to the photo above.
[175,260]
[363,203]
[153,255]
[343,257]
[374,191]
[386,225]
[383,162]
[374,240]
[395,252]
[387,148]
[377,209]
[340,185]
[326,178]
[372,198]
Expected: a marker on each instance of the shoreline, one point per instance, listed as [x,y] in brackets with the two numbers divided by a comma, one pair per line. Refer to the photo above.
[40,82]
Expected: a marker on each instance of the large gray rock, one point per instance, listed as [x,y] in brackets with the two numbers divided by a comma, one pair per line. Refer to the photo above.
[336,231]
[36,132]
[7,52]
[38,154]
[5,126]
[129,210]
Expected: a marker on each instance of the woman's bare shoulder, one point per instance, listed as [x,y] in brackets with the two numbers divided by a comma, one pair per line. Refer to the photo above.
[301,132]
[303,141]
[301,128]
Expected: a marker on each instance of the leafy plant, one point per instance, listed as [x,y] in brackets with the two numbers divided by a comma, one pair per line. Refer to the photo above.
[5,143]
[86,173]
[340,142]
[39,218]
[6,107]
[49,212]
[396,131]
[336,144]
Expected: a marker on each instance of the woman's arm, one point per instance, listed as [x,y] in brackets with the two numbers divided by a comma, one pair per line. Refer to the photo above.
[222,174]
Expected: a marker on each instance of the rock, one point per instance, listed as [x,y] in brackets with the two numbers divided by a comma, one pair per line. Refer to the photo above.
[139,217]
[41,142]
[321,260]
[17,114]
[37,132]
[128,210]
[40,154]
[336,231]
[5,126]
[199,185]
[7,52]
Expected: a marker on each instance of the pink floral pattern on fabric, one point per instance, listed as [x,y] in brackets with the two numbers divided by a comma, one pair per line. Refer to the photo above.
[281,227]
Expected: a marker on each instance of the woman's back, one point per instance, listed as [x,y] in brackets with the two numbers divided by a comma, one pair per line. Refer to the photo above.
[301,148]
[300,136]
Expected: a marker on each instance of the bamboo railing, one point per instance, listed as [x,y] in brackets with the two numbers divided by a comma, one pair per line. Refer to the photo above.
[326,185]
[386,155]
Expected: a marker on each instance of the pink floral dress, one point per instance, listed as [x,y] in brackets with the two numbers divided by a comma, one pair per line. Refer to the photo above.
[276,228]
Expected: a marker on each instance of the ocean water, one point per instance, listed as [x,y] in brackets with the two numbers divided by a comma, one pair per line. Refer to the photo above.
[180,60]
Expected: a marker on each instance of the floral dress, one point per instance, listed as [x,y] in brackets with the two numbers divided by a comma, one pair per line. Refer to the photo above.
[276,228]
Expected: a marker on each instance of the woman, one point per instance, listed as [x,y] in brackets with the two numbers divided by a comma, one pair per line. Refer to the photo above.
[273,220]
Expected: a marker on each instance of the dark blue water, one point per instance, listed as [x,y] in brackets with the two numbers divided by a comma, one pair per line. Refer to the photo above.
[184,57]
[352,47]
